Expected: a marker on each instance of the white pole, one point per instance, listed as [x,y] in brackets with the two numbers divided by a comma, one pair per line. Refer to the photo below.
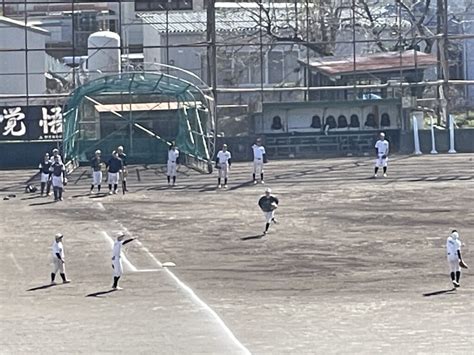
[415,135]
[451,135]
[433,143]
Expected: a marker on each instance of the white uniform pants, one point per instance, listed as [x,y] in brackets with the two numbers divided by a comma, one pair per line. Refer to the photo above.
[453,263]
[113,178]
[224,170]
[117,266]
[58,266]
[96,177]
[58,181]
[44,177]
[269,216]
[258,166]
[381,162]
[171,168]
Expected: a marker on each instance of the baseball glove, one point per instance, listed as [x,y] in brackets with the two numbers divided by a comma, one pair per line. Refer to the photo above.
[217,166]
[273,206]
[384,157]
[463,264]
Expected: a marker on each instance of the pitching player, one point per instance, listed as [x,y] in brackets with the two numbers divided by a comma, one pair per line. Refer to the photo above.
[455,262]
[268,204]
[123,171]
[259,158]
[58,180]
[96,165]
[114,166]
[58,259]
[382,150]
[117,258]
[223,163]
[173,156]
[45,174]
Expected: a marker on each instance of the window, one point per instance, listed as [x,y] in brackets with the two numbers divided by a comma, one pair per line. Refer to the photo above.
[163,5]
[342,121]
[370,121]
[316,122]
[331,122]
[385,120]
[276,124]
[355,123]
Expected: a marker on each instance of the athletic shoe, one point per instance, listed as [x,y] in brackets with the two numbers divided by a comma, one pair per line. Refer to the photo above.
[455,283]
[110,192]
[264,233]
[384,175]
[375,175]
[61,199]
[219,186]
[255,182]
[274,220]
[225,186]
[66,282]
[53,283]
[117,288]
[115,192]
[262,182]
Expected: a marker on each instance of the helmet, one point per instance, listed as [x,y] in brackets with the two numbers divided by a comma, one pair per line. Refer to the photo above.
[455,234]
[98,151]
[58,236]
[268,190]
[120,235]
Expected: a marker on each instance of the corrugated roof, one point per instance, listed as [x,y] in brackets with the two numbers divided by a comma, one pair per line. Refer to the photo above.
[227,20]
[378,62]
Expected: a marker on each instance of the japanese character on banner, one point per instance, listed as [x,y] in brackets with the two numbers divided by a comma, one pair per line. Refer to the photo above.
[52,122]
[14,122]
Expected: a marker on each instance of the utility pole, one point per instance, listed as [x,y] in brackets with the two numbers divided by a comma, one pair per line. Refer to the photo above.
[443,57]
[211,54]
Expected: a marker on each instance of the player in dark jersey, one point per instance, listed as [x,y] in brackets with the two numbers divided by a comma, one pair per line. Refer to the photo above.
[124,171]
[45,175]
[268,204]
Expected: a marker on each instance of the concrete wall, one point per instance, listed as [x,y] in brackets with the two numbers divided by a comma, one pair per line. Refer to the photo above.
[463,138]
[24,155]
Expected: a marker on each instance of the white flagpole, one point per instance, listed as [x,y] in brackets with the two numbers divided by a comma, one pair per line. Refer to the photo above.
[433,143]
[415,136]
[451,135]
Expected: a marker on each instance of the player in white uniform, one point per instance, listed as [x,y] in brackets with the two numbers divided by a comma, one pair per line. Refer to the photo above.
[173,156]
[382,150]
[56,154]
[96,166]
[259,158]
[223,162]
[117,258]
[453,250]
[58,259]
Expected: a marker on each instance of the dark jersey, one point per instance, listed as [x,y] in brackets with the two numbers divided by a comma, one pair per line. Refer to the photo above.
[265,203]
[57,168]
[95,163]
[123,156]
[115,165]
[44,167]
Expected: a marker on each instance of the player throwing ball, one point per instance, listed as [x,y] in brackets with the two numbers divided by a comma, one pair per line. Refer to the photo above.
[382,150]
[117,258]
[455,262]
[268,204]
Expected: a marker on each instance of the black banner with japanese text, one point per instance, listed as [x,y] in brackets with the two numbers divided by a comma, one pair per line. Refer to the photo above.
[26,123]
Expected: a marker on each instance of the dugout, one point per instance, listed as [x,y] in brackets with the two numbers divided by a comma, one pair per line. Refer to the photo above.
[143,111]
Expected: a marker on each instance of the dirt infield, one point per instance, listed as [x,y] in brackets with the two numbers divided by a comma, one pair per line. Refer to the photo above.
[355,265]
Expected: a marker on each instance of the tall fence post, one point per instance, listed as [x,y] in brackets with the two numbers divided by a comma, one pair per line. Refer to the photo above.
[416,137]
[451,135]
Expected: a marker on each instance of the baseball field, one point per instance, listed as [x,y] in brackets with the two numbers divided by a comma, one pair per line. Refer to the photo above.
[355,265]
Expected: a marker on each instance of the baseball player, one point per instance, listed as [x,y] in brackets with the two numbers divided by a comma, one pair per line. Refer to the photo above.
[117,258]
[114,166]
[45,175]
[96,165]
[223,163]
[268,204]
[58,259]
[173,156]
[123,171]
[259,158]
[382,150]
[56,155]
[58,180]
[455,262]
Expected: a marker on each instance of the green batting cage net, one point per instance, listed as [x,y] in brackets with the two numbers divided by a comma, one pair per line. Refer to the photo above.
[143,111]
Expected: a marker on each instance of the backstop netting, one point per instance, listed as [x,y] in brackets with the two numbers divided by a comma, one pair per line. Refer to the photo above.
[143,111]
